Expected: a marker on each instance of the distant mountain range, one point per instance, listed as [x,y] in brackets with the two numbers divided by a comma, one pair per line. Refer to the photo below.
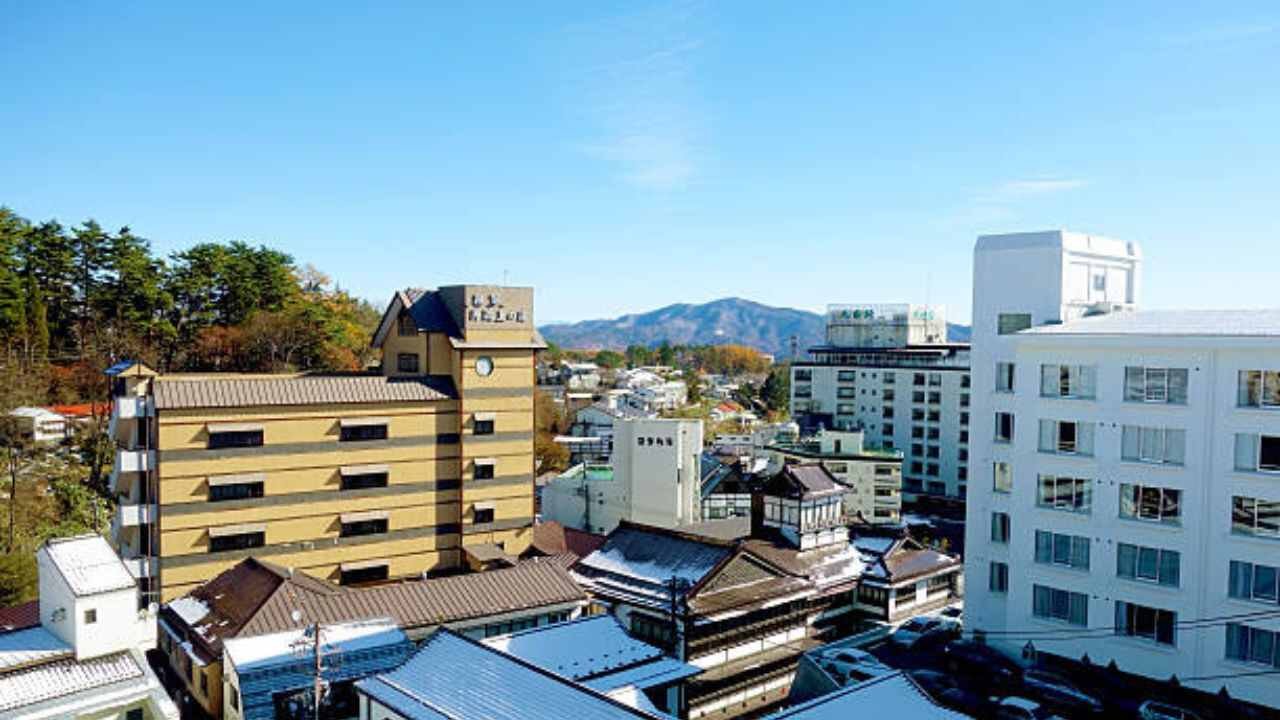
[729,320]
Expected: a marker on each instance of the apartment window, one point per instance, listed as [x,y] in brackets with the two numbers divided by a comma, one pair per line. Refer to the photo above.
[887,412]
[1250,581]
[407,362]
[90,616]
[363,480]
[933,451]
[932,433]
[1059,549]
[917,396]
[935,415]
[917,379]
[1155,385]
[935,379]
[1002,477]
[1004,427]
[998,578]
[1253,516]
[1154,565]
[846,376]
[1068,381]
[1068,438]
[483,426]
[405,326]
[1065,493]
[219,492]
[803,375]
[845,393]
[964,434]
[1252,645]
[1009,323]
[889,378]
[1145,622]
[964,400]
[1259,388]
[962,455]
[1053,604]
[235,438]
[484,471]
[887,395]
[917,432]
[482,516]
[1000,528]
[238,541]
[887,429]
[1153,445]
[935,398]
[1153,504]
[362,430]
[965,380]
[1257,453]
[361,575]
[364,526]
[448,438]
[917,467]
[917,449]
[931,469]
[804,391]
[1004,377]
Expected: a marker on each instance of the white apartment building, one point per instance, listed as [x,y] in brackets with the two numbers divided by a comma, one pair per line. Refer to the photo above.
[1128,468]
[653,478]
[888,371]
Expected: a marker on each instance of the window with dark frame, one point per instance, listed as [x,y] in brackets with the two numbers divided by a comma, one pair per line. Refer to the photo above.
[482,427]
[359,576]
[407,362]
[235,491]
[484,471]
[374,526]
[482,516]
[234,439]
[362,433]
[239,541]
[363,481]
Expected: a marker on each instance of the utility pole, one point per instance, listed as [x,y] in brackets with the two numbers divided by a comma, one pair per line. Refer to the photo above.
[316,682]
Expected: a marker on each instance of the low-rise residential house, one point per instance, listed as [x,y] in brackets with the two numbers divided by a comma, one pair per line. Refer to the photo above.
[726,410]
[255,599]
[597,652]
[553,540]
[669,395]
[635,378]
[81,653]
[873,475]
[591,434]
[455,677]
[41,425]
[727,487]
[272,676]
[580,375]
[653,478]
[904,579]
[742,608]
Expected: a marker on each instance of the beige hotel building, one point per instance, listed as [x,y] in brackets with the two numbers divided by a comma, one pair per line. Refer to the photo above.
[424,467]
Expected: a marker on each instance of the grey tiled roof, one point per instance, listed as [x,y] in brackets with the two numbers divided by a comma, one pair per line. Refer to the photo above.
[66,677]
[219,392]
[1215,323]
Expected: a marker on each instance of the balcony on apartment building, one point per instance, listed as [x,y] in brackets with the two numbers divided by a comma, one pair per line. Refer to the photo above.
[128,469]
[125,411]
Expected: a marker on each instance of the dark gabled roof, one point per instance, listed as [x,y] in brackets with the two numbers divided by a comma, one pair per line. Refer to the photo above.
[637,562]
[175,392]
[803,481]
[429,312]
[552,539]
[20,617]
[256,598]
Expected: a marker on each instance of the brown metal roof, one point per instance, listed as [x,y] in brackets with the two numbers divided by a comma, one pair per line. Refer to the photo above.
[220,392]
[255,598]
[20,617]
[552,538]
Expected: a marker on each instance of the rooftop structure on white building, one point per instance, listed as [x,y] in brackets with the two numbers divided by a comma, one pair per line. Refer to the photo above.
[1128,460]
[82,655]
[579,375]
[872,474]
[889,371]
[590,438]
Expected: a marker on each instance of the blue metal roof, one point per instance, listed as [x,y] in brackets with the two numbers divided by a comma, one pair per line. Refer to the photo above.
[460,679]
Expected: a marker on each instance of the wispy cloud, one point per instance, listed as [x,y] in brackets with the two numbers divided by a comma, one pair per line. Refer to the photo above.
[1220,35]
[993,207]
[638,93]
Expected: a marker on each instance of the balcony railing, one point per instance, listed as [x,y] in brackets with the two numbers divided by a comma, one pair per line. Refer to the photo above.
[141,567]
[134,515]
[134,461]
[129,408]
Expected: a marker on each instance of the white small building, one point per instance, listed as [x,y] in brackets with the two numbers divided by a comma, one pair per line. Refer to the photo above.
[653,477]
[580,375]
[41,425]
[669,395]
[85,658]
[593,427]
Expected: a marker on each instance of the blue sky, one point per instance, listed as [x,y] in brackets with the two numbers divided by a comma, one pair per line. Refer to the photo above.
[623,156]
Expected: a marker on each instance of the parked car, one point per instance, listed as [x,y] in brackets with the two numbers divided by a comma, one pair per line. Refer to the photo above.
[851,665]
[1020,708]
[1060,693]
[946,691]
[954,613]
[984,664]
[913,631]
[1155,710]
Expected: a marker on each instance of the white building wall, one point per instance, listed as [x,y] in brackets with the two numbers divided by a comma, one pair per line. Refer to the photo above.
[657,461]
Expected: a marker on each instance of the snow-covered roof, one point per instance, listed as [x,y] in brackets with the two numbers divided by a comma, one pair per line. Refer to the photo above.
[33,645]
[662,671]
[191,609]
[88,564]
[257,652]
[38,413]
[894,695]
[874,545]
[454,678]
[577,649]
[1210,323]
[67,677]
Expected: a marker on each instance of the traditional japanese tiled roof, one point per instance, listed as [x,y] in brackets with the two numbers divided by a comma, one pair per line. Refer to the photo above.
[65,677]
[193,392]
